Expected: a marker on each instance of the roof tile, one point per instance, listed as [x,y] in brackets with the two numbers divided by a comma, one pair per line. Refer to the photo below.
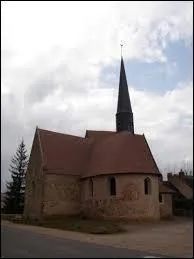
[101,152]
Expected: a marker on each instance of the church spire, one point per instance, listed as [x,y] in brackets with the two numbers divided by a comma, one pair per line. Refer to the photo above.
[124,116]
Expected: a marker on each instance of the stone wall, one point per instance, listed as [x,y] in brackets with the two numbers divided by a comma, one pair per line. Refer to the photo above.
[166,206]
[129,202]
[34,182]
[61,194]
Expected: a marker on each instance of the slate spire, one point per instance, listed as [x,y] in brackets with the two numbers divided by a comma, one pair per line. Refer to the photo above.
[124,116]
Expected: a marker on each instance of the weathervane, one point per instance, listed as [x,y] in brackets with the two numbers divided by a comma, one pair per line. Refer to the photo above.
[121,48]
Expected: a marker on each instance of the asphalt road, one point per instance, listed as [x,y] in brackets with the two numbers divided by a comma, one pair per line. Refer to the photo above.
[17,243]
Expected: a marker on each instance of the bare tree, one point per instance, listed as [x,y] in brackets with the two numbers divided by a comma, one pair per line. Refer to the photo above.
[186,166]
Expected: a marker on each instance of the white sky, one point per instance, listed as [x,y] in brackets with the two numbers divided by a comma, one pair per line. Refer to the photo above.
[52,56]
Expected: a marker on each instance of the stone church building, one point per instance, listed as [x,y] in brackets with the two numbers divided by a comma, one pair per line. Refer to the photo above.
[104,174]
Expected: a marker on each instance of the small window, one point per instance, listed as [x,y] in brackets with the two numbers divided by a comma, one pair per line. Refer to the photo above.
[147,186]
[112,186]
[33,188]
[33,185]
[160,197]
[91,187]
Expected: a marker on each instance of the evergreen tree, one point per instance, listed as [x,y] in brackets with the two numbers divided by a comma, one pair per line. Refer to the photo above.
[14,200]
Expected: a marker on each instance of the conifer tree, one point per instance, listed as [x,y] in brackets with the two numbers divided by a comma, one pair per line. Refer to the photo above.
[14,198]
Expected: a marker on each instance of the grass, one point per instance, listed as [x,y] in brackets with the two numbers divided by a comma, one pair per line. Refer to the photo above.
[74,223]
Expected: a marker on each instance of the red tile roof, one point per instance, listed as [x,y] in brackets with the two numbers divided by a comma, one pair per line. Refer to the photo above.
[122,153]
[97,136]
[64,152]
[102,152]
[165,189]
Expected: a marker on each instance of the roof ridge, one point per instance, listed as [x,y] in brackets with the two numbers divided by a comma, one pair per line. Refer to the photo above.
[60,133]
[151,153]
[40,144]
[101,131]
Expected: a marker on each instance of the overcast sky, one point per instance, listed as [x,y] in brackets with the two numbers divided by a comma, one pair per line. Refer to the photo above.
[60,71]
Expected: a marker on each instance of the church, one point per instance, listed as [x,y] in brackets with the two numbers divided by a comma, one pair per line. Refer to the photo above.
[107,174]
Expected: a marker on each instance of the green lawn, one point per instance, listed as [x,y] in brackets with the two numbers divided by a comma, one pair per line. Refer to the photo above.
[75,223]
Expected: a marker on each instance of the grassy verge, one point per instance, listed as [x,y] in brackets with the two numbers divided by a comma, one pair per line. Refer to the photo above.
[74,223]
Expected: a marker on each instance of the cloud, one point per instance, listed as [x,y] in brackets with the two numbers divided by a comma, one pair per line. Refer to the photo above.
[40,89]
[166,121]
[96,28]
[52,62]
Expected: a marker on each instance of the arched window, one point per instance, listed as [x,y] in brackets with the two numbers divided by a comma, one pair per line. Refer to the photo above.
[91,188]
[160,197]
[112,185]
[33,188]
[147,186]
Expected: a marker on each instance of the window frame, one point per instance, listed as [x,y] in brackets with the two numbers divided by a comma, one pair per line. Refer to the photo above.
[112,186]
[91,187]
[147,186]
[162,198]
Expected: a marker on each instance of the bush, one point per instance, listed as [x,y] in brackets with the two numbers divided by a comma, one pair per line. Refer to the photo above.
[10,217]
[186,204]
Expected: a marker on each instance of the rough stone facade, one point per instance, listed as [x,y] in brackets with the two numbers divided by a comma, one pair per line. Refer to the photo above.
[34,182]
[52,192]
[61,194]
[70,195]
[166,206]
[130,200]
[48,193]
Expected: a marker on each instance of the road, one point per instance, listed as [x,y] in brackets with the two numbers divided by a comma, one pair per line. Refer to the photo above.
[17,243]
